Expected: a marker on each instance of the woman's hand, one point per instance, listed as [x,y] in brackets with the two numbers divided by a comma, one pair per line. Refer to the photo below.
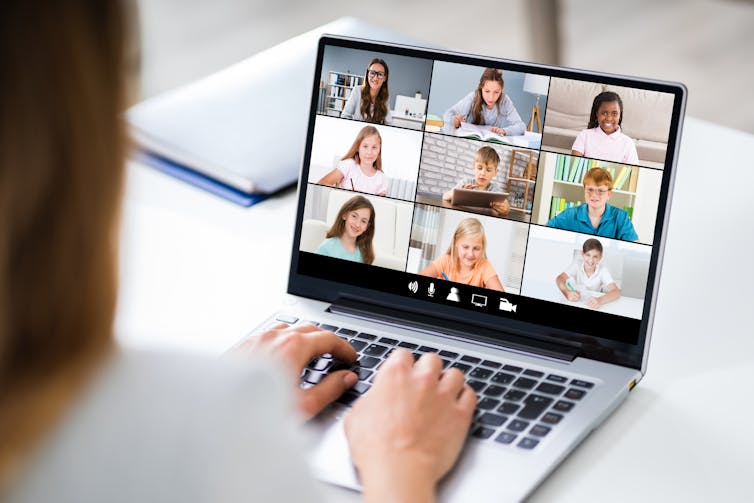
[498,130]
[457,120]
[408,430]
[295,347]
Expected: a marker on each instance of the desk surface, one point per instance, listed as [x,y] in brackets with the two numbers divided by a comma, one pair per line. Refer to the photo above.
[197,273]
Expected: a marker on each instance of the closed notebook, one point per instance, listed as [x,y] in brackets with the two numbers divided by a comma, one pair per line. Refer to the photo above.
[244,126]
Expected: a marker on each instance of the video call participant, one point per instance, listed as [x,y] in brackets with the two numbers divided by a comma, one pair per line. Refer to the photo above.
[603,138]
[596,216]
[588,275]
[371,102]
[360,169]
[485,171]
[486,106]
[350,237]
[465,261]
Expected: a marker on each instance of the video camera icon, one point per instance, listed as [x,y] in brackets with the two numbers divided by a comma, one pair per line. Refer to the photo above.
[505,305]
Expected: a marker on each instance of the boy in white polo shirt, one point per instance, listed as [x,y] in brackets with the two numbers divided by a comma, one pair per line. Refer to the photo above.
[603,138]
[588,275]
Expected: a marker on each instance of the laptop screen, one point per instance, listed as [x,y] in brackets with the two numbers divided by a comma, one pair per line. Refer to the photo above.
[518,196]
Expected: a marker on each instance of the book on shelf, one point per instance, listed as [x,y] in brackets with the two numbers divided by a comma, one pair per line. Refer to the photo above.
[434,120]
[558,204]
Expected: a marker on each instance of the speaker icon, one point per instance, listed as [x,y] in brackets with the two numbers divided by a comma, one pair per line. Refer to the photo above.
[413,286]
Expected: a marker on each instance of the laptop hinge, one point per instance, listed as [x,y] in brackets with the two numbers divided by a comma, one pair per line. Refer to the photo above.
[454,329]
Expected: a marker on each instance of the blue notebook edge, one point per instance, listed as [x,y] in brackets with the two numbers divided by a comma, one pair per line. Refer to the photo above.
[197,179]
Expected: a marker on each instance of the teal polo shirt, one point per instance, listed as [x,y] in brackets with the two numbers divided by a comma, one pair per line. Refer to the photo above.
[613,224]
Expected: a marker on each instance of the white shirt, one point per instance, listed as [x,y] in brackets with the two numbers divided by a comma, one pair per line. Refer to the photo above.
[355,179]
[597,282]
[616,147]
[173,428]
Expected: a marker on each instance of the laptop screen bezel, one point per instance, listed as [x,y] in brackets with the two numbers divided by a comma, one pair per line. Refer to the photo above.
[597,348]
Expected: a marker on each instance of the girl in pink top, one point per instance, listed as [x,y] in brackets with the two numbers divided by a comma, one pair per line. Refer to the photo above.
[603,138]
[361,168]
[466,259]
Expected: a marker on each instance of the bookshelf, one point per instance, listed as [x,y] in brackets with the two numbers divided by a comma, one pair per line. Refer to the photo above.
[521,179]
[338,90]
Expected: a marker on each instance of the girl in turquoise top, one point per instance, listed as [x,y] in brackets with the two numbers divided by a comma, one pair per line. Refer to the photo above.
[350,237]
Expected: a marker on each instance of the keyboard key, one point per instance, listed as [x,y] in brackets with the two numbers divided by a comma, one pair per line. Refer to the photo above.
[361,387]
[461,366]
[368,362]
[505,438]
[366,337]
[503,378]
[491,364]
[319,364]
[477,385]
[416,355]
[491,419]
[375,350]
[338,365]
[528,443]
[445,363]
[534,406]
[539,430]
[326,356]
[524,383]
[533,373]
[575,394]
[357,345]
[387,340]
[286,318]
[408,345]
[482,432]
[312,376]
[512,368]
[389,352]
[551,418]
[331,328]
[480,373]
[550,389]
[493,390]
[556,378]
[508,408]
[518,425]
[487,403]
[563,406]
[582,384]
[347,332]
[362,373]
[514,395]
[470,359]
[428,349]
[312,323]
[449,354]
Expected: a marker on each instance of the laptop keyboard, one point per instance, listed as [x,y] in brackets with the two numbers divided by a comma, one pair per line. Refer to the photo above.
[516,406]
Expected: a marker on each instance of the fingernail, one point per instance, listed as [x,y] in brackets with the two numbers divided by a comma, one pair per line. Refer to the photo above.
[350,379]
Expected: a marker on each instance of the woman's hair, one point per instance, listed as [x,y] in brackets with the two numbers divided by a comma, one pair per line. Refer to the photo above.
[488,74]
[62,148]
[604,97]
[591,244]
[467,228]
[380,101]
[488,155]
[364,241]
[353,152]
[600,176]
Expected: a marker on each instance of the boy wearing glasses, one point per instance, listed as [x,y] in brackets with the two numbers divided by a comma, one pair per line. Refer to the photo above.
[596,216]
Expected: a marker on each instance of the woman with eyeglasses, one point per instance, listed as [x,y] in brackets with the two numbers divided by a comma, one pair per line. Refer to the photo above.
[371,102]
[84,420]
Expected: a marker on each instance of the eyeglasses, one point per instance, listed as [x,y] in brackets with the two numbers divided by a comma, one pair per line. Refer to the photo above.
[595,190]
[379,75]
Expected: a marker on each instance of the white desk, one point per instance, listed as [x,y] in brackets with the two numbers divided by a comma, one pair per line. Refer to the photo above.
[198,272]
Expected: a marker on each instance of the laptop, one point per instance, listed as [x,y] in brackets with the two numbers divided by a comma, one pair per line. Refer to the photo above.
[548,368]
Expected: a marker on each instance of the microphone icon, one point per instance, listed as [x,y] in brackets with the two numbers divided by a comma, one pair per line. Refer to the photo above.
[431,290]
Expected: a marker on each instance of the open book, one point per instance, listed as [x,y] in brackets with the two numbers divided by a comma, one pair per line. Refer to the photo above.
[484,133]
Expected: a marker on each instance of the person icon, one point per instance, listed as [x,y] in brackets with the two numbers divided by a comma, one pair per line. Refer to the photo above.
[453,295]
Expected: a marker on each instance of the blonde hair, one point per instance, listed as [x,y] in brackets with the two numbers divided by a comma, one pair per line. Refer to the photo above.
[353,152]
[467,228]
[62,148]
[364,241]
[599,176]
